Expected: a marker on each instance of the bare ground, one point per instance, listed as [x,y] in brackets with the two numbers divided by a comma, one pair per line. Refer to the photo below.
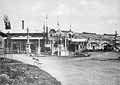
[101,68]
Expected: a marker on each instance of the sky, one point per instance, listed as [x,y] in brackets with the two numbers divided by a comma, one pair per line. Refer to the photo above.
[96,16]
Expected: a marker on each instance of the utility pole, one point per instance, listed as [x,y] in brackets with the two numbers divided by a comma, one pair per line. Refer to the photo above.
[70,38]
[65,44]
[39,46]
[59,39]
[46,20]
[44,33]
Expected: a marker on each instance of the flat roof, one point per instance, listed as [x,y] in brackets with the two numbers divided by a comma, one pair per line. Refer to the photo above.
[24,38]
[78,40]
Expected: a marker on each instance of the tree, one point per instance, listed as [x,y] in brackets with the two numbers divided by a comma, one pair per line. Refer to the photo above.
[6,22]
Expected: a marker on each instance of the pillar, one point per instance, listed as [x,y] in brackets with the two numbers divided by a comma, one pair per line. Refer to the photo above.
[39,46]
[65,47]
[11,46]
[52,48]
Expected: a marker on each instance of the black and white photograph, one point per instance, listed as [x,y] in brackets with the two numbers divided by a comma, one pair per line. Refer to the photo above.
[59,42]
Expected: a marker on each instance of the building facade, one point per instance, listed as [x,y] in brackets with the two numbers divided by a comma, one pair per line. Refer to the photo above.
[17,42]
[56,42]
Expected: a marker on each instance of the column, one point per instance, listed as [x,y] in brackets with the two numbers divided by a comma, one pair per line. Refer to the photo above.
[38,46]
[11,45]
[20,47]
[65,47]
[52,47]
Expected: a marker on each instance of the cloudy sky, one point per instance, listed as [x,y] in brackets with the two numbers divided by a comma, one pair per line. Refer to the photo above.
[100,16]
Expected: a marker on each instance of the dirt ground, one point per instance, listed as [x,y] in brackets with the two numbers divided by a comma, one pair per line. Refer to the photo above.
[101,68]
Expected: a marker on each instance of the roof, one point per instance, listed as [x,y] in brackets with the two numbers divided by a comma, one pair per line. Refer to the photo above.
[53,30]
[89,33]
[78,40]
[24,38]
[25,34]
[3,34]
[109,34]
[66,31]
[94,36]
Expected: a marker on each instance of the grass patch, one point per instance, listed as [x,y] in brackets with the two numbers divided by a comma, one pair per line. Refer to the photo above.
[13,72]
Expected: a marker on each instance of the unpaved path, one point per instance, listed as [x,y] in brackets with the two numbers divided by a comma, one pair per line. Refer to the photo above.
[81,71]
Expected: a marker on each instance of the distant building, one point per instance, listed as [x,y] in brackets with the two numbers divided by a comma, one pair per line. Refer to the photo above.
[65,43]
[57,42]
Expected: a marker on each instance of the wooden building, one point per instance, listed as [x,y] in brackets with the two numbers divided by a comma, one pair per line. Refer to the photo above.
[17,42]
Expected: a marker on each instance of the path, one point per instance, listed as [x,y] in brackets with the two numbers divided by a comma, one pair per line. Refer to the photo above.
[80,71]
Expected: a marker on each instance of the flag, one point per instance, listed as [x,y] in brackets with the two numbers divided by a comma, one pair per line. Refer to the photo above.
[6,22]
